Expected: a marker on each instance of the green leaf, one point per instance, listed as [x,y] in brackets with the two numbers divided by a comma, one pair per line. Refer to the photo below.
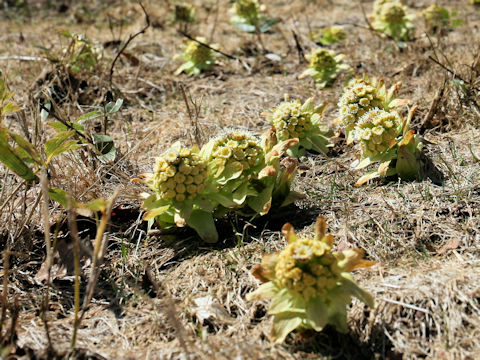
[202,222]
[60,196]
[105,146]
[222,199]
[232,171]
[112,108]
[89,116]
[245,27]
[11,160]
[59,144]
[33,155]
[316,312]
[285,302]
[265,291]
[408,165]
[262,202]
[284,324]
[152,214]
[268,24]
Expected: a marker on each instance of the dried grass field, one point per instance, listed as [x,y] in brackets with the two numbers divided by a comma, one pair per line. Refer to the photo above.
[166,294]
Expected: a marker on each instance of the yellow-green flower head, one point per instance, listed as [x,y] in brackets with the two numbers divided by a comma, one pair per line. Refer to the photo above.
[197,52]
[392,12]
[376,130]
[305,267]
[235,147]
[291,120]
[359,97]
[322,59]
[378,5]
[179,174]
[247,9]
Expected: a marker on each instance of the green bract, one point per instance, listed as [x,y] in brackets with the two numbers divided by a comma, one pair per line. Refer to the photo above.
[324,66]
[386,138]
[309,284]
[179,182]
[291,120]
[197,57]
[362,95]
[391,18]
[329,35]
[247,16]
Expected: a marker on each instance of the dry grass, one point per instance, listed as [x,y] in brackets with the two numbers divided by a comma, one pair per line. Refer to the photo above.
[424,236]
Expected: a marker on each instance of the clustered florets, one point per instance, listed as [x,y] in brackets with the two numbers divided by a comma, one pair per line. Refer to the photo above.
[291,121]
[392,12]
[179,175]
[375,131]
[237,146]
[322,59]
[307,268]
[247,9]
[358,98]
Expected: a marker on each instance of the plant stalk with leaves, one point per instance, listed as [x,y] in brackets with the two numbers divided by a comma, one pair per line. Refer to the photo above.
[309,284]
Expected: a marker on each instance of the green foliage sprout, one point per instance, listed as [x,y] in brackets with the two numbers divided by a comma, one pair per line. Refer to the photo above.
[247,16]
[197,57]
[292,119]
[439,19]
[324,66]
[309,284]
[329,35]
[391,18]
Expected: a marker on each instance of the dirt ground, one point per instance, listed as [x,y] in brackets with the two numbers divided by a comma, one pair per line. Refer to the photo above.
[424,236]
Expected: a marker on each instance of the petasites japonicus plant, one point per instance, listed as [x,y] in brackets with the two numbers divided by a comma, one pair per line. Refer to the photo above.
[248,15]
[292,119]
[247,172]
[387,138]
[363,94]
[197,57]
[324,67]
[180,182]
[309,284]
[392,19]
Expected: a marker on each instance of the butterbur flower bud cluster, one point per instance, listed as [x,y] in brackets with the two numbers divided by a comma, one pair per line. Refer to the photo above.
[248,10]
[376,130]
[235,147]
[324,66]
[309,284]
[197,57]
[391,18]
[290,120]
[179,174]
[307,268]
[358,97]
